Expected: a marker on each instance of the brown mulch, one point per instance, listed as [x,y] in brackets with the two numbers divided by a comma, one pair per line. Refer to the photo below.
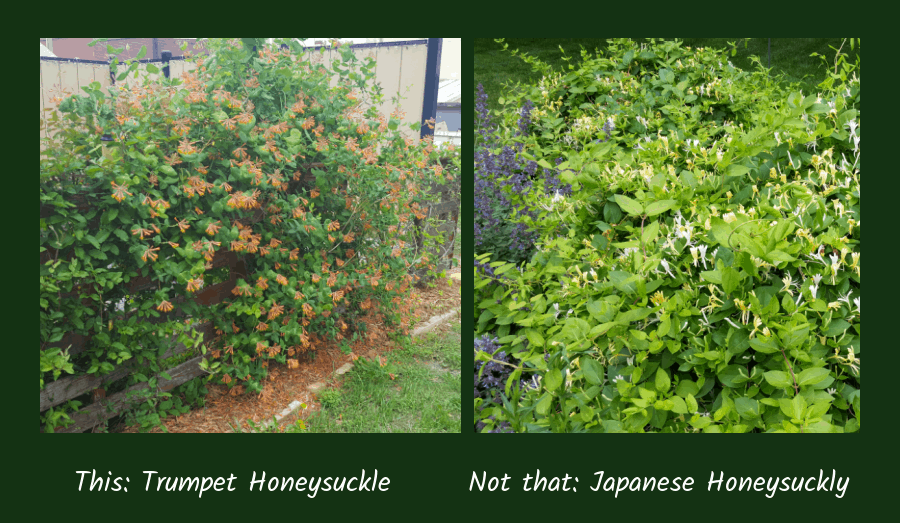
[225,409]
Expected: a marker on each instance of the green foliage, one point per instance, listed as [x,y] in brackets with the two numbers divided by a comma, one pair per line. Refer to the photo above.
[704,275]
[254,154]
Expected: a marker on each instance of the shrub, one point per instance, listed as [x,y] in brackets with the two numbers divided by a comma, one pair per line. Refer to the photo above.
[704,274]
[252,153]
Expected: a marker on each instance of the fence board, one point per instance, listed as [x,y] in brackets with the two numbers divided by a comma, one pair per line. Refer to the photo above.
[62,390]
[106,408]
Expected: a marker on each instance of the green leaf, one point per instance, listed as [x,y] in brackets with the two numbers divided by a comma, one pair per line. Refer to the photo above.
[628,205]
[720,231]
[793,408]
[593,371]
[650,232]
[812,376]
[535,338]
[736,170]
[658,207]
[748,408]
[662,381]
[836,327]
[733,375]
[712,276]
[553,379]
[691,403]
[109,215]
[625,318]
[543,406]
[152,69]
[779,379]
[679,407]
[764,345]
[731,279]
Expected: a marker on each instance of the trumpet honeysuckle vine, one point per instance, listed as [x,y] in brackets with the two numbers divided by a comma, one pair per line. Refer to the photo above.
[251,153]
[708,252]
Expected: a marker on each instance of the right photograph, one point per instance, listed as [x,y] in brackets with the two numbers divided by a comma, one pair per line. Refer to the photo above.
[667,235]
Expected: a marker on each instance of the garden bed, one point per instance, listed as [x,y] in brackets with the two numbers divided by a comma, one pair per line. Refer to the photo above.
[225,410]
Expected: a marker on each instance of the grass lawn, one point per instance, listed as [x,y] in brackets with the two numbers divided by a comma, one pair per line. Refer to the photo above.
[417,390]
[790,56]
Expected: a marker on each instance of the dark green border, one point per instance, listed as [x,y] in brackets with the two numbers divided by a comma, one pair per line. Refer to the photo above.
[430,476]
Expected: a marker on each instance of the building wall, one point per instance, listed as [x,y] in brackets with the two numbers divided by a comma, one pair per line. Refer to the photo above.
[78,47]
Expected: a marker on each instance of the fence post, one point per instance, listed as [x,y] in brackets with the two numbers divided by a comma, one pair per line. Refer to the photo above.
[166,56]
[432,82]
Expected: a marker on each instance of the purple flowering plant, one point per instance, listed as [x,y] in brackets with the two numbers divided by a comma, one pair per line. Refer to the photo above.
[702,271]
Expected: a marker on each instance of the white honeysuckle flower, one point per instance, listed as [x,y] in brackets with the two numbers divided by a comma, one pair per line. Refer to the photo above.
[556,307]
[835,260]
[630,360]
[845,298]
[729,217]
[813,289]
[856,302]
[817,278]
[665,265]
[733,324]
[702,249]
[852,125]
[617,378]
[831,390]
[788,283]
[694,255]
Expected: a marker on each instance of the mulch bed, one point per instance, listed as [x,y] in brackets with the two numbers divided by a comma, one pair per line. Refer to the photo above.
[226,409]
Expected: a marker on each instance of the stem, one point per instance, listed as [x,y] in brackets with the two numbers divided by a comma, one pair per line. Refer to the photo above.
[796,388]
[643,246]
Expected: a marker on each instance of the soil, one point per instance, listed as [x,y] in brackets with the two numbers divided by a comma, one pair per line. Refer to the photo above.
[227,410]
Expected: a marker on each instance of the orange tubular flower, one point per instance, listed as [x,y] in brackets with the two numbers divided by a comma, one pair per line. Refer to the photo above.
[150,253]
[316,278]
[119,191]
[194,284]
[213,228]
[164,306]
[276,311]
[141,232]
[262,283]
[281,279]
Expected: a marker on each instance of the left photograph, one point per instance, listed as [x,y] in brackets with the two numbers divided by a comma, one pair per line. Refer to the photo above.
[250,235]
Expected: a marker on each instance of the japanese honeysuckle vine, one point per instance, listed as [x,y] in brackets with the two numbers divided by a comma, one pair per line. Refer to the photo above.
[258,153]
[703,274]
